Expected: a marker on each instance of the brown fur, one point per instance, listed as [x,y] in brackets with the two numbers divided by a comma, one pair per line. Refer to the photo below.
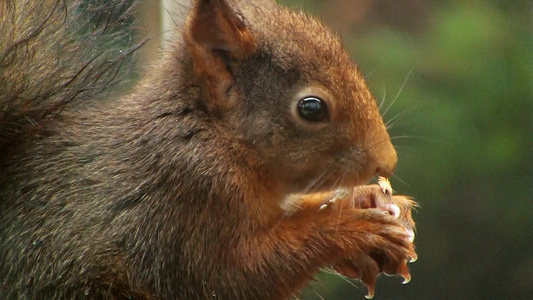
[174,190]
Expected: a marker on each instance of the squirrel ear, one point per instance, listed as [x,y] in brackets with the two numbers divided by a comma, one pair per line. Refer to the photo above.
[216,37]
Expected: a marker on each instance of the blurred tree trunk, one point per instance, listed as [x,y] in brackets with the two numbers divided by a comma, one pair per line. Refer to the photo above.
[159,21]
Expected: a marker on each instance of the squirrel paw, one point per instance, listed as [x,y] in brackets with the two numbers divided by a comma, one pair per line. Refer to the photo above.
[386,229]
[388,245]
[385,248]
[381,197]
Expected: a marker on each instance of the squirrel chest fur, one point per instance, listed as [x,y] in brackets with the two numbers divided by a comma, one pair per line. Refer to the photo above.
[175,190]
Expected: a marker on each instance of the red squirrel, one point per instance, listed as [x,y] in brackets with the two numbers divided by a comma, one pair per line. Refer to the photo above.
[234,169]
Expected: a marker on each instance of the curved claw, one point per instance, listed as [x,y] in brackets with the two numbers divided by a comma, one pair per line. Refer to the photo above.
[406,279]
[369,278]
[370,295]
[413,257]
[371,291]
[411,235]
[403,271]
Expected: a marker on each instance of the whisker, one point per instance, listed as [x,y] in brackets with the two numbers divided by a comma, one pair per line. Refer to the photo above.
[318,294]
[372,72]
[336,183]
[320,183]
[394,120]
[293,204]
[317,283]
[322,285]
[340,209]
[414,137]
[403,148]
[399,179]
[275,227]
[399,92]
[332,272]
[397,125]
[399,137]
[315,181]
[295,297]
[383,98]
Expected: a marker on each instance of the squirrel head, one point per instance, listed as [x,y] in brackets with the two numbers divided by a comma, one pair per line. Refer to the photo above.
[281,85]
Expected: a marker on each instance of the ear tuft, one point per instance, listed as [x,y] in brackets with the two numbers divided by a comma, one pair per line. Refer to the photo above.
[216,36]
[214,25]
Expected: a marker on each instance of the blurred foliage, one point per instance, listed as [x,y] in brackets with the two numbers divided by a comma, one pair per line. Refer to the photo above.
[463,127]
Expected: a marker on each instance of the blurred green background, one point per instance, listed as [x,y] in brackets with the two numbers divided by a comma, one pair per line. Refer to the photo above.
[462,124]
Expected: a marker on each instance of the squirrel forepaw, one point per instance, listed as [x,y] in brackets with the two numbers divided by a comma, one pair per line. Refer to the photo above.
[388,243]
[390,256]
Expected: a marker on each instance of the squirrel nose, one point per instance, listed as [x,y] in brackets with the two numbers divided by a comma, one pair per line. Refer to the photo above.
[386,159]
[386,169]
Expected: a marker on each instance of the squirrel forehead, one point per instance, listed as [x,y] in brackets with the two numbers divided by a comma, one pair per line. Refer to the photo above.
[292,35]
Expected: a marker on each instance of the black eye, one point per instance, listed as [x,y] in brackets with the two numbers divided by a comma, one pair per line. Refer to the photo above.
[313,109]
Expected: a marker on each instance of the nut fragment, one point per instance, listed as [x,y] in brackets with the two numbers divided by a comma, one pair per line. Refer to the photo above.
[384,183]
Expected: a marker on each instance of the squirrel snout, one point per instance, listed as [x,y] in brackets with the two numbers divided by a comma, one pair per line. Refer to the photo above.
[386,159]
[386,170]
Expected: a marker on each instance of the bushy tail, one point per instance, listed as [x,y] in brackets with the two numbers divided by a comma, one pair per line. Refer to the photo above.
[55,53]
